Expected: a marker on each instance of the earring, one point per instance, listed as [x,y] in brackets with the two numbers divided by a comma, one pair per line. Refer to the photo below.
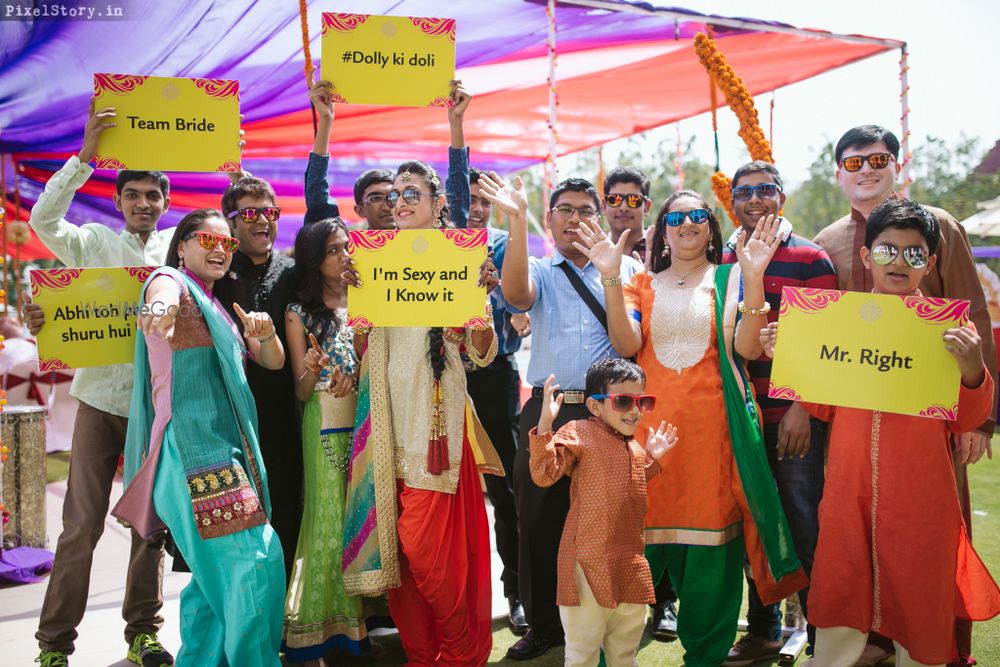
[437,220]
[711,248]
[666,250]
[180,263]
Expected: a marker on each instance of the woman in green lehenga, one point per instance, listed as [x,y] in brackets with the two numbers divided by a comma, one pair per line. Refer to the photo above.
[319,615]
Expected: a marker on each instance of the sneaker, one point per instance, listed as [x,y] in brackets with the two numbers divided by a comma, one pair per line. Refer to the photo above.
[750,649]
[52,659]
[663,625]
[147,651]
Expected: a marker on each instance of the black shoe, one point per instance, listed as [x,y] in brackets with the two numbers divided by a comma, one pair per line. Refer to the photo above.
[515,619]
[530,646]
[663,626]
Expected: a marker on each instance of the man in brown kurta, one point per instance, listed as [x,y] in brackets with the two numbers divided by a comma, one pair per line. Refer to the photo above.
[954,277]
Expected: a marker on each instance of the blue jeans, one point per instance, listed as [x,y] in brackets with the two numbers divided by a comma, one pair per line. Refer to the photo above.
[800,486]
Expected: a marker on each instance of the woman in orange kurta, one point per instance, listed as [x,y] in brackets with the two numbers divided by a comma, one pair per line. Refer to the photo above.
[699,518]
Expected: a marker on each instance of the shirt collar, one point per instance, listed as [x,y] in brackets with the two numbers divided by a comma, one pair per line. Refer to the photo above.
[558,258]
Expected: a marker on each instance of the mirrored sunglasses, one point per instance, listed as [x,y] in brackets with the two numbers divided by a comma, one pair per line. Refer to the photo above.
[763,191]
[876,160]
[615,200]
[624,402]
[916,257]
[676,218]
[250,215]
[410,195]
[210,241]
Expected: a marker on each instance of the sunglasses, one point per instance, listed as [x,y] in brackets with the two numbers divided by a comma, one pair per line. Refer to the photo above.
[210,241]
[763,191]
[410,195]
[676,218]
[876,160]
[615,200]
[915,256]
[624,402]
[250,215]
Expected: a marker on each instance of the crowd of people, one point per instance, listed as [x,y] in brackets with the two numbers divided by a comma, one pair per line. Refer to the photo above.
[319,481]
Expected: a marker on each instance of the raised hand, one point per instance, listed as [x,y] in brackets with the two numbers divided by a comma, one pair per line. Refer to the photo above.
[662,440]
[511,199]
[768,338]
[97,122]
[459,98]
[966,346]
[755,253]
[255,325]
[598,248]
[315,359]
[321,96]
[550,406]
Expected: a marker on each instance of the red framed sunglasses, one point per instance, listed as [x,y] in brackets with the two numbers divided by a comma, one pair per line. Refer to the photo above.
[624,402]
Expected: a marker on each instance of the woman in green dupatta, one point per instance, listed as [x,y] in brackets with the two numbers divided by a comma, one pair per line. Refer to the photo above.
[691,323]
[192,460]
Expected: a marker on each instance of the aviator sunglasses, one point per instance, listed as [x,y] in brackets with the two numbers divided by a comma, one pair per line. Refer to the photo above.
[763,191]
[210,241]
[624,402]
[915,256]
[614,200]
[250,214]
[410,195]
[876,160]
[676,218]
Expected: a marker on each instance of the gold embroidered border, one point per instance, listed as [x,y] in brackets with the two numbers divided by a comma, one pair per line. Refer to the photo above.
[694,537]
[876,595]
[314,634]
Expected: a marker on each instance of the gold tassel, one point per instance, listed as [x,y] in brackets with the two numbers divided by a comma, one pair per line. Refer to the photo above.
[437,450]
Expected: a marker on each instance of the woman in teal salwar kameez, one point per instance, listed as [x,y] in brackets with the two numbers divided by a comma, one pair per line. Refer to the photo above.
[192,459]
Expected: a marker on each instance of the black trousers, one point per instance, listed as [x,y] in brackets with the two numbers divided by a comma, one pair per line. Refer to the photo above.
[541,513]
[496,393]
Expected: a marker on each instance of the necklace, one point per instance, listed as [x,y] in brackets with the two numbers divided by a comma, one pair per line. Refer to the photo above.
[683,278]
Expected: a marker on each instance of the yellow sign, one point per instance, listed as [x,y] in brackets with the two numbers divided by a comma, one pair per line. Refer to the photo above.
[871,351]
[417,278]
[169,124]
[389,60]
[89,315]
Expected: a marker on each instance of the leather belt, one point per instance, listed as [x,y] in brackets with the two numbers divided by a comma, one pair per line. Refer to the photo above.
[570,396]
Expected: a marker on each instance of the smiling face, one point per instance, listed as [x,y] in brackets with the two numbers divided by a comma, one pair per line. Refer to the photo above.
[897,277]
[622,217]
[750,212]
[207,265]
[256,238]
[336,252]
[374,208]
[420,214]
[479,208]
[867,187]
[689,240]
[565,226]
[625,423]
[141,203]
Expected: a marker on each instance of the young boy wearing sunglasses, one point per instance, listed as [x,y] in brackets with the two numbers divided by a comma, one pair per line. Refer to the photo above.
[867,160]
[893,554]
[604,581]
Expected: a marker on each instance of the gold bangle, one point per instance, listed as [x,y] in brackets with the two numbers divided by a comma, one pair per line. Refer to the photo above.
[611,282]
[746,310]
[488,320]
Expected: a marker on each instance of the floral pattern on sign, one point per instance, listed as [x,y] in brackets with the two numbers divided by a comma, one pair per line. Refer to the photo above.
[101,162]
[219,88]
[807,299]
[52,279]
[440,103]
[436,27]
[783,393]
[372,239]
[230,167]
[466,239]
[342,22]
[359,322]
[53,364]
[117,84]
[941,412]
[938,311]
[140,273]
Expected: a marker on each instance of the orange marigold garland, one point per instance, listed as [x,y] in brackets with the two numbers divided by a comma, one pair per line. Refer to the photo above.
[740,100]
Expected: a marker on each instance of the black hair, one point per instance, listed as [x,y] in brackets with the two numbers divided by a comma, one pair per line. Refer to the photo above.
[758,167]
[474,175]
[575,185]
[192,222]
[129,175]
[608,371]
[866,135]
[369,178]
[661,262]
[248,186]
[903,214]
[627,175]
[310,253]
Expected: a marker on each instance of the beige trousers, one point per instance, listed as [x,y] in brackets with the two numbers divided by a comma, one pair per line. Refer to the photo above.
[841,647]
[590,626]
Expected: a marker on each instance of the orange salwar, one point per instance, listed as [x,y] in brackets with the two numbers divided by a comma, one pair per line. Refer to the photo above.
[442,606]
[893,554]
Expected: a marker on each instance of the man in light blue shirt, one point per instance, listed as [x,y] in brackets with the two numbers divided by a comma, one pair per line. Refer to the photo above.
[568,337]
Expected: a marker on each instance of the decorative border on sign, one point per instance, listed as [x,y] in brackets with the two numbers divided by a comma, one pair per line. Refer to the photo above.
[440,103]
[371,239]
[807,299]
[342,22]
[359,321]
[117,84]
[219,88]
[337,98]
[934,310]
[101,162]
[230,167]
[436,27]
[941,412]
[140,273]
[467,239]
[53,364]
[52,279]
[782,393]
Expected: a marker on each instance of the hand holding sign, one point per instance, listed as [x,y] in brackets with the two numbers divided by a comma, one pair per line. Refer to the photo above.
[255,325]
[321,96]
[489,277]
[966,346]
[96,123]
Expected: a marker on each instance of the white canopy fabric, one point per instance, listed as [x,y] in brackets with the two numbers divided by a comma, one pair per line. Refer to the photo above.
[987,221]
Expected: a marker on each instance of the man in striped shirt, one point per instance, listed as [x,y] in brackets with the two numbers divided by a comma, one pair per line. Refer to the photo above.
[794,442]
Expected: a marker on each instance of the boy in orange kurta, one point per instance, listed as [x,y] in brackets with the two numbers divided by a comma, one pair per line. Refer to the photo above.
[604,580]
[893,555]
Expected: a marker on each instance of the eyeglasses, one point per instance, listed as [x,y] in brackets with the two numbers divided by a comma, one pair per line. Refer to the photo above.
[410,195]
[624,402]
[915,256]
[614,200]
[676,218]
[375,198]
[210,241]
[250,215]
[763,191]
[567,211]
[876,160]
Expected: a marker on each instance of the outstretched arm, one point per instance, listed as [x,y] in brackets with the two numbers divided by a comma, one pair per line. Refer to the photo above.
[517,287]
[319,204]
